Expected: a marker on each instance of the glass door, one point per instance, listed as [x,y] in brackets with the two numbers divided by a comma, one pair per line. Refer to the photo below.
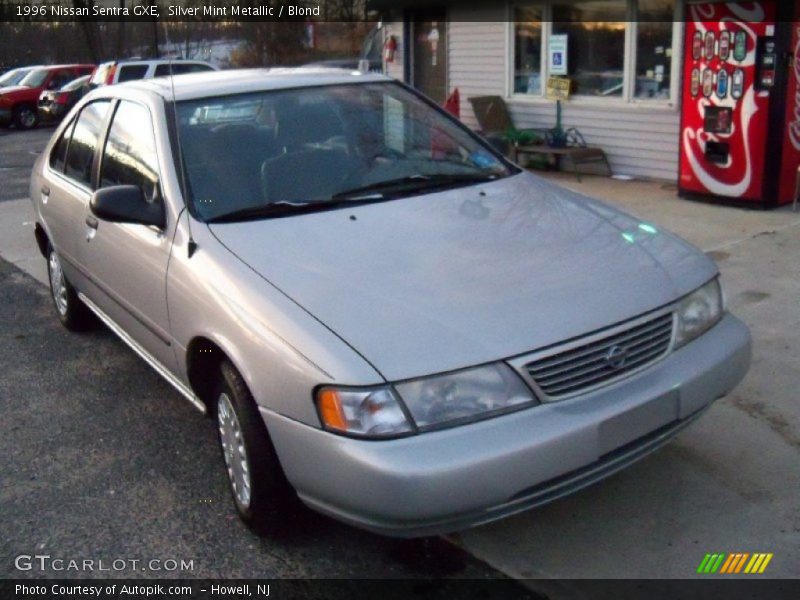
[429,53]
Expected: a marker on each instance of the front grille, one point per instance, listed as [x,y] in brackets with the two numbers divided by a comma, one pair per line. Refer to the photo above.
[602,359]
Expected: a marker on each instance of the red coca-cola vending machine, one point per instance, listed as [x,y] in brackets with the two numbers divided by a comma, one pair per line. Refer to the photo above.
[740,110]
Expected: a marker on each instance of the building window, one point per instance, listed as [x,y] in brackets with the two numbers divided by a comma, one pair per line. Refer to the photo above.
[596,47]
[528,50]
[654,49]
[616,48]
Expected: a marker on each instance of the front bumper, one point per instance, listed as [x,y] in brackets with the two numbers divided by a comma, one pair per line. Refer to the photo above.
[5,116]
[457,478]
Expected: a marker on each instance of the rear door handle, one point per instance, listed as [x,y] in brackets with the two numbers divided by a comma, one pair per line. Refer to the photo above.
[45,191]
[91,222]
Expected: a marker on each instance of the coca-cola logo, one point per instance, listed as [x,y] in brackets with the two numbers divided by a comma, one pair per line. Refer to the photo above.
[794,125]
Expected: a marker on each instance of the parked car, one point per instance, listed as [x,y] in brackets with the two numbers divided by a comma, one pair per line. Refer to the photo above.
[18,104]
[119,71]
[54,104]
[14,76]
[386,318]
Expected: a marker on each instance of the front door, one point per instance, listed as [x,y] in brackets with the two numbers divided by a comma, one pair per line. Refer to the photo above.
[429,53]
[127,261]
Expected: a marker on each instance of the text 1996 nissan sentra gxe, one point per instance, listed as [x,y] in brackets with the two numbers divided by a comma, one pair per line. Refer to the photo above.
[386,318]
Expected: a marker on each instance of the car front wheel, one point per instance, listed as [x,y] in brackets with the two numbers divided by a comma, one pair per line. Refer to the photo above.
[260,490]
[72,313]
[26,117]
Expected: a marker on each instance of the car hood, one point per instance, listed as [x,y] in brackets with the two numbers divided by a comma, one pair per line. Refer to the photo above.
[447,280]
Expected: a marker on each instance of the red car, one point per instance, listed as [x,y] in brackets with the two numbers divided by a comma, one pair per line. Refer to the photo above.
[18,103]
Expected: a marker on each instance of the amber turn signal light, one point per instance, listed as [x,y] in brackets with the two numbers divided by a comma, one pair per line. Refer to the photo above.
[330,410]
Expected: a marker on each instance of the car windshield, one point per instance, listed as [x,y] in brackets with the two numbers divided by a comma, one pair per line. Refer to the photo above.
[278,152]
[13,77]
[35,78]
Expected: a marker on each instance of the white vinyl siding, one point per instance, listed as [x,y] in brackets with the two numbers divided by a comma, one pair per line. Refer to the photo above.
[476,60]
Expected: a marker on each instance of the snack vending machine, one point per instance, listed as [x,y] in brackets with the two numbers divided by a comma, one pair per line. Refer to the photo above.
[740,109]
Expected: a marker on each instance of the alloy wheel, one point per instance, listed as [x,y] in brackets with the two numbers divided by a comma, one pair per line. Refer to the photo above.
[58,285]
[233,450]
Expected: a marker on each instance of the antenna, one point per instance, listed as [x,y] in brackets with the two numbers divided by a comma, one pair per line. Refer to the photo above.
[192,245]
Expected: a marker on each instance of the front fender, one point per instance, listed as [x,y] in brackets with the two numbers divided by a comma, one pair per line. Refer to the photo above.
[281,351]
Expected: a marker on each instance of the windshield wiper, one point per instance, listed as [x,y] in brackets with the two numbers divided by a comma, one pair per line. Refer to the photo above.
[361,195]
[281,209]
[414,182]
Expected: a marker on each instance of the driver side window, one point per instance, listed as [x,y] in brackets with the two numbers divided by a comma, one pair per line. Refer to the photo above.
[129,156]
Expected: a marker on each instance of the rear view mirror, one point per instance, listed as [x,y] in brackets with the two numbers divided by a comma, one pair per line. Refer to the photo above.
[126,204]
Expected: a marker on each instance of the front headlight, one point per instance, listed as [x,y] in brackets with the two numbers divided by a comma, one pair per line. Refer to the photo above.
[430,402]
[374,412]
[699,312]
[464,395]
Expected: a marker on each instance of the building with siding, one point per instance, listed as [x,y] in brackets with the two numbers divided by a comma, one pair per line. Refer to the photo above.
[624,59]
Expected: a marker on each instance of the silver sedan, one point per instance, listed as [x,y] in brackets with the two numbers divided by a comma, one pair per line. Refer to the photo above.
[387,319]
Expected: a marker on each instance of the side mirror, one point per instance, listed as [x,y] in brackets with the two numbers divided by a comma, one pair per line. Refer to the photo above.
[126,204]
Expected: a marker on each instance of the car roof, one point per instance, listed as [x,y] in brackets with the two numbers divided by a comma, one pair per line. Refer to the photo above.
[238,81]
[154,61]
[67,66]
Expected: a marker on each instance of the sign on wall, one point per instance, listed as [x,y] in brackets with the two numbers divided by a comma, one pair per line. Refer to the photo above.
[558,88]
[557,54]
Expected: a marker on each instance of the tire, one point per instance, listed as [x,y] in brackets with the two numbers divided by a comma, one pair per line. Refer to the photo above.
[261,493]
[26,116]
[73,314]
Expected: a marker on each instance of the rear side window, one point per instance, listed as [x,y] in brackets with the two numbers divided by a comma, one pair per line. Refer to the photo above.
[180,69]
[84,142]
[198,68]
[59,154]
[131,72]
[130,157]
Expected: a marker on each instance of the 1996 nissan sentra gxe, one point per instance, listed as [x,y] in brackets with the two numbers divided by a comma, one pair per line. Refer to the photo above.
[385,317]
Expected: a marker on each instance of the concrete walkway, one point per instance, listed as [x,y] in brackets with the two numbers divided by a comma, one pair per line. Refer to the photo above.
[17,244]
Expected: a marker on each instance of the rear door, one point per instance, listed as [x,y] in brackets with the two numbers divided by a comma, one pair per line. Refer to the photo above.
[128,262]
[67,186]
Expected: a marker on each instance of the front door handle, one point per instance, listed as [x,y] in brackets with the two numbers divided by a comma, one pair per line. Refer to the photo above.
[91,222]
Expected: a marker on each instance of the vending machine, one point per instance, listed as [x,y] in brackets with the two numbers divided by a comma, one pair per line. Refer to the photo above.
[740,109]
